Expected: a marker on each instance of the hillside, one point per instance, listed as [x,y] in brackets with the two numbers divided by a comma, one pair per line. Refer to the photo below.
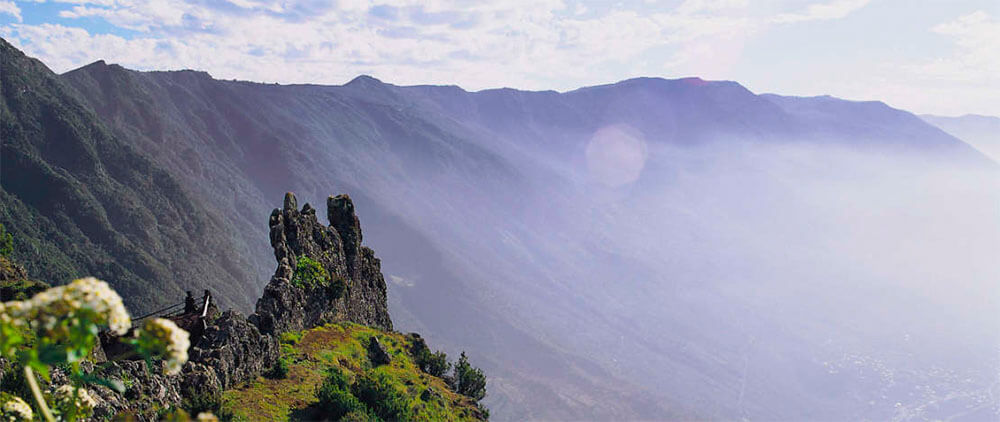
[316,352]
[80,201]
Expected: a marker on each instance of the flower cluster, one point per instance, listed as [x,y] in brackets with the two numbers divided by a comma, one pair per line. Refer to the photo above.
[207,417]
[16,409]
[161,337]
[13,313]
[86,297]
[68,396]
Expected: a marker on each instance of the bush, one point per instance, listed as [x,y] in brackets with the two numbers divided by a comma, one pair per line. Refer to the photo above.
[435,364]
[195,402]
[309,273]
[387,400]
[335,398]
[360,416]
[291,337]
[280,369]
[6,242]
[469,381]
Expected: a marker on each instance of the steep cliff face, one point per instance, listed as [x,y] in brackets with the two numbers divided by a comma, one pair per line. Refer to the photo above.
[297,234]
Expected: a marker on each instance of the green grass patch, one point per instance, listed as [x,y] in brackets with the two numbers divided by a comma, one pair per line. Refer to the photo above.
[399,390]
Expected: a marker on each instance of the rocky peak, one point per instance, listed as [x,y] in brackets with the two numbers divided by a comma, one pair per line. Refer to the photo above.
[234,349]
[353,289]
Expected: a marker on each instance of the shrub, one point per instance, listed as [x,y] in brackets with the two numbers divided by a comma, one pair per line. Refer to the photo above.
[360,416]
[6,242]
[435,364]
[309,273]
[335,398]
[468,380]
[196,402]
[291,337]
[387,400]
[280,369]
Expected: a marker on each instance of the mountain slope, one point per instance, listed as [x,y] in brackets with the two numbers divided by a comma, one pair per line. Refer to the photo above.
[80,202]
[982,132]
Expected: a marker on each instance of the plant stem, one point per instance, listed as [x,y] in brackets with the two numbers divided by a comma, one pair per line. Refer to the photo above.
[30,376]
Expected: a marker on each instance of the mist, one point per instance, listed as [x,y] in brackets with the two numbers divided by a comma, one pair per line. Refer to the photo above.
[761,280]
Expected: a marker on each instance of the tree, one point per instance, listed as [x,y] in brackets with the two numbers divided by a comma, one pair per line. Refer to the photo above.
[469,380]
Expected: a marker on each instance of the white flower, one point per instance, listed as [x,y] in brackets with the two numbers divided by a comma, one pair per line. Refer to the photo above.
[14,312]
[83,296]
[207,417]
[78,398]
[164,338]
[16,409]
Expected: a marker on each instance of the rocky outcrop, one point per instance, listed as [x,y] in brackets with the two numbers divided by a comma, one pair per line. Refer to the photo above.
[287,306]
[235,349]
[377,353]
[231,351]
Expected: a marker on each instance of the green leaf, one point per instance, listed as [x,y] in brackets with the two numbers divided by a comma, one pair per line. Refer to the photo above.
[110,383]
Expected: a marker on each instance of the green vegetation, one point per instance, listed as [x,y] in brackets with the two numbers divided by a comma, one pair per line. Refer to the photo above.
[336,399]
[435,364]
[280,369]
[19,289]
[309,273]
[330,376]
[59,328]
[385,396]
[6,242]
[196,401]
[469,381]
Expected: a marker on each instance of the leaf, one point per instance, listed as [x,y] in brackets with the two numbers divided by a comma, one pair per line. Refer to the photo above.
[113,384]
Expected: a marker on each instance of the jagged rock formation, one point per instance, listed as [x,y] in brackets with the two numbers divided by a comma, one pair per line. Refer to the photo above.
[337,248]
[235,349]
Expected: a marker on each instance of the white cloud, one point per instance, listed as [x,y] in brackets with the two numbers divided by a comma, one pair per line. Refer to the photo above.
[823,11]
[9,8]
[541,44]
[527,44]
[965,80]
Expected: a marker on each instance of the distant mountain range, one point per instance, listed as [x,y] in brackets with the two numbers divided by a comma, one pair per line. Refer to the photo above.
[640,250]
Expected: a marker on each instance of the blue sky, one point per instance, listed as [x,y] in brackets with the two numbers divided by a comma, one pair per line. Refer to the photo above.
[927,56]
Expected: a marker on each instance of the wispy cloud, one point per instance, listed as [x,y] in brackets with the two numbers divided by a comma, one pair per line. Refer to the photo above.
[9,8]
[823,11]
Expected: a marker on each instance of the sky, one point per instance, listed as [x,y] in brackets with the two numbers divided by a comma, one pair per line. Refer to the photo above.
[926,56]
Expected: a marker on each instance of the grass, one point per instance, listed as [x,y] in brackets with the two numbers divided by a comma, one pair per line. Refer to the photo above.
[313,352]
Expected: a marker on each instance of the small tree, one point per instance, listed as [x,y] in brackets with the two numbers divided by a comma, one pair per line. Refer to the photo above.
[469,380]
